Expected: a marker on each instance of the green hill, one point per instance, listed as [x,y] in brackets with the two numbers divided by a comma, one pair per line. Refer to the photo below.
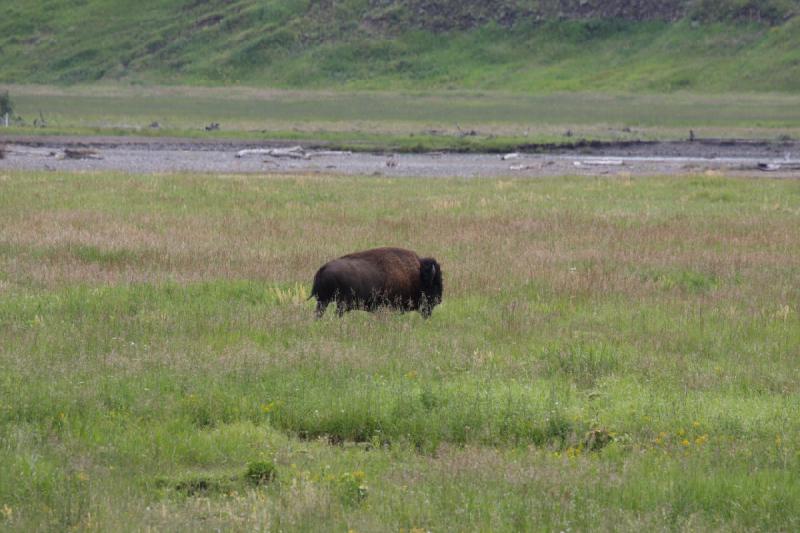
[518,45]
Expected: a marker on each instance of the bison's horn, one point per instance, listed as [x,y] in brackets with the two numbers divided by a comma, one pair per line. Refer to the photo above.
[433,270]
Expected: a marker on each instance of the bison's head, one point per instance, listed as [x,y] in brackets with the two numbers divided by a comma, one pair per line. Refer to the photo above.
[431,286]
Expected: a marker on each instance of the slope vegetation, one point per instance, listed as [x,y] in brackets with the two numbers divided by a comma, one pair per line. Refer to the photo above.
[546,45]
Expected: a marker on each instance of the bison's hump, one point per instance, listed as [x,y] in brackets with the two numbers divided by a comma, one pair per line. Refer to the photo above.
[382,253]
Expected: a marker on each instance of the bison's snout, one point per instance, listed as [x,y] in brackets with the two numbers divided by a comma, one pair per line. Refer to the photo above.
[383,277]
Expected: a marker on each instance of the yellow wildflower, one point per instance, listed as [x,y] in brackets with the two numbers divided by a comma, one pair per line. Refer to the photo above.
[7,512]
[685,442]
[574,452]
[269,407]
[695,424]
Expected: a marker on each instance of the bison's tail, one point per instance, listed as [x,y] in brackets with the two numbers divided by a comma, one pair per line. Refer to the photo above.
[314,291]
[315,288]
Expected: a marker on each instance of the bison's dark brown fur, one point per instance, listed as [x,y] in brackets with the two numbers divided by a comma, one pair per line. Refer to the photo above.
[383,277]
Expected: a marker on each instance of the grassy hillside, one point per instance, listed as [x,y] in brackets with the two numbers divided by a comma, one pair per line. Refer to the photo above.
[547,45]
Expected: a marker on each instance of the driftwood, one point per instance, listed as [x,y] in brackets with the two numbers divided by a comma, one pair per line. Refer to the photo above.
[514,155]
[775,167]
[329,153]
[72,153]
[295,152]
[254,151]
[600,163]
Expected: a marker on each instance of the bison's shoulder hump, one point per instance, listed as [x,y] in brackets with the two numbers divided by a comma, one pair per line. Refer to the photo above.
[381,253]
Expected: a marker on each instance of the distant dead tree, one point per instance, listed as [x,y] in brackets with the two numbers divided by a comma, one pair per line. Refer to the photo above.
[40,122]
[6,107]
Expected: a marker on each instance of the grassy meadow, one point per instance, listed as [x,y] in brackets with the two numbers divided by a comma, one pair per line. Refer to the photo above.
[611,354]
[405,121]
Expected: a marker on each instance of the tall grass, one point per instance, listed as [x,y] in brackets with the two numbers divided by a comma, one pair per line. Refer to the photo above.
[158,349]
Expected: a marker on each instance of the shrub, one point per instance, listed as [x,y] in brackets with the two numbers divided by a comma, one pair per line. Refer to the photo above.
[260,472]
[352,489]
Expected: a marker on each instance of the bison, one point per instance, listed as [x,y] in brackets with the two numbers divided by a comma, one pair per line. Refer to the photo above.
[383,277]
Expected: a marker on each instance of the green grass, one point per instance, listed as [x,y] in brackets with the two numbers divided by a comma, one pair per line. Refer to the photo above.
[163,369]
[301,44]
[402,121]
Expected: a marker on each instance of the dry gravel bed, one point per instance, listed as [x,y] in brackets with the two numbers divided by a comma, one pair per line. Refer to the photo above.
[167,155]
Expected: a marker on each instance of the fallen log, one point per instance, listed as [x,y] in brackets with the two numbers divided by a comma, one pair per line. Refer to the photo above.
[75,153]
[254,151]
[600,163]
[774,167]
[295,152]
[329,153]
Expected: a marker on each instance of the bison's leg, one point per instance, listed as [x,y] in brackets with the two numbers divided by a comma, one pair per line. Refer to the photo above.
[347,301]
[321,306]
[425,308]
